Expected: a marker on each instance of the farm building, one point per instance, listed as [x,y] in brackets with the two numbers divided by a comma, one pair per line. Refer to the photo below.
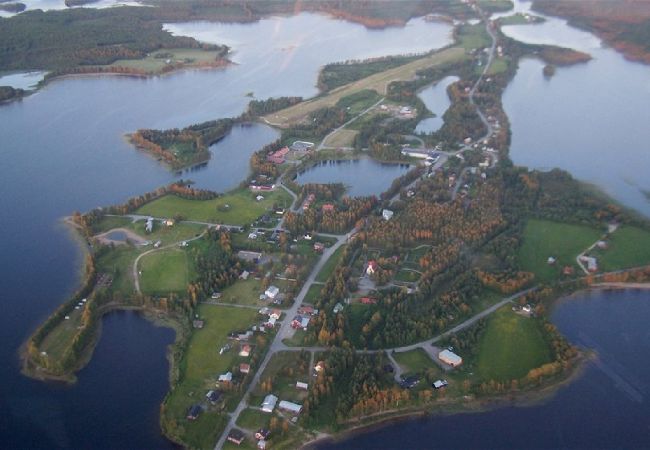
[450,358]
[269,403]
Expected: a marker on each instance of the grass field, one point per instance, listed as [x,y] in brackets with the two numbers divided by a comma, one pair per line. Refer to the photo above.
[167,235]
[200,366]
[253,419]
[342,138]
[499,65]
[118,262]
[164,272]
[543,238]
[628,247]
[414,361]
[330,265]
[408,276]
[59,339]
[241,209]
[510,347]
[244,293]
[378,82]
[284,369]
[313,293]
[110,222]
[155,62]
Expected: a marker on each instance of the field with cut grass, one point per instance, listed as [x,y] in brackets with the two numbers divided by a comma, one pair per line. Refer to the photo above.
[200,367]
[627,247]
[157,62]
[543,238]
[414,361]
[511,346]
[342,138]
[244,293]
[164,272]
[330,265]
[378,82]
[235,208]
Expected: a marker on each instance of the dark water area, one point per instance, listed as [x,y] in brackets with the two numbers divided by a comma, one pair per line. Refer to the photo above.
[63,150]
[362,177]
[607,407]
[437,101]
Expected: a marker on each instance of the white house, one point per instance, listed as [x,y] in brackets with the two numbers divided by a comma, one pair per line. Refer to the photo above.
[272,292]
[387,214]
[290,407]
[301,385]
[149,225]
[269,403]
[450,358]
[226,377]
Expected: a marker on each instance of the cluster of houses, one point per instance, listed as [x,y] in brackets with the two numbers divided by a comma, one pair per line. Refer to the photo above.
[405,112]
[310,199]
[302,319]
[148,225]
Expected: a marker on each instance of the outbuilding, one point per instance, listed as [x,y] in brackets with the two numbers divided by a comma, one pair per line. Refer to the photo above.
[291,407]
[450,358]
[269,403]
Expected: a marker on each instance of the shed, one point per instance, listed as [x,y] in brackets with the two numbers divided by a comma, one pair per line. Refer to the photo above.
[301,385]
[291,407]
[449,357]
[272,292]
[236,436]
[387,214]
[269,403]
[194,412]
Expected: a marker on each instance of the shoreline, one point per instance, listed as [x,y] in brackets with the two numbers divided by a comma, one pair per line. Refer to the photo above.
[521,399]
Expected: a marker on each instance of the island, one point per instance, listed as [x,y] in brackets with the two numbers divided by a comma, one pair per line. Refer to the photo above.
[302,312]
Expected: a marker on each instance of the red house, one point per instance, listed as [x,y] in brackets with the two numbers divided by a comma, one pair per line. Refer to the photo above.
[327,207]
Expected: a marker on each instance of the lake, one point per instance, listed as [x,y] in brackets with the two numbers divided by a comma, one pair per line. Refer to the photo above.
[63,149]
[437,101]
[589,119]
[606,407]
[361,177]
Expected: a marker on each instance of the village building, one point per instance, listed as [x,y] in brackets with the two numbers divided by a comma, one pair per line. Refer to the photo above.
[387,214]
[194,412]
[198,324]
[450,358]
[213,396]
[319,367]
[319,247]
[302,146]
[440,384]
[149,225]
[306,310]
[271,322]
[291,407]
[551,260]
[245,350]
[249,256]
[300,322]
[592,263]
[372,267]
[367,301]
[338,308]
[261,444]
[216,295]
[302,386]
[244,275]
[269,403]
[244,368]
[275,314]
[226,377]
[236,436]
[278,157]
[262,433]
[272,292]
[168,222]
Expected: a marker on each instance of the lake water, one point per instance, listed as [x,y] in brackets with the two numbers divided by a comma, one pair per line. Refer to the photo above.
[22,80]
[47,5]
[437,101]
[361,176]
[607,407]
[589,119]
[63,149]
[117,236]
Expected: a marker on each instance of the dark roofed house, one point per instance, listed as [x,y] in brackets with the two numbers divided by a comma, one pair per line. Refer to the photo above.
[194,412]
[236,436]
[213,396]
[262,433]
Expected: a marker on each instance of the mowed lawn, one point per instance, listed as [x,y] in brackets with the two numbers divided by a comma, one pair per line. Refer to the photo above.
[511,346]
[244,292]
[628,247]
[544,238]
[330,265]
[200,367]
[164,272]
[236,208]
[414,361]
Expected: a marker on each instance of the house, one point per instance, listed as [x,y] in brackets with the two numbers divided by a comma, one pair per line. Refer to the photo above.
[194,412]
[300,322]
[149,225]
[168,222]
[236,436]
[387,214]
[592,263]
[157,244]
[226,377]
[551,260]
[244,275]
[319,367]
[272,292]
[338,308]
[439,384]
[327,207]
[184,244]
[198,324]
[213,396]
[245,351]
[269,403]
[372,267]
[252,236]
[275,314]
[367,301]
[450,358]
[259,198]
[601,245]
[216,295]
[270,323]
[307,237]
[262,433]
[261,444]
[244,368]
[567,270]
[306,310]
[291,407]
[410,382]
[249,256]
[301,385]
[319,247]
[278,157]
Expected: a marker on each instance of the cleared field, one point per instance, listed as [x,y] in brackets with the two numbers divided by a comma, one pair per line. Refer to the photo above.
[253,419]
[510,347]
[236,208]
[628,247]
[378,82]
[414,361]
[200,366]
[330,265]
[164,272]
[60,338]
[543,238]
[342,138]
[244,293]
[156,62]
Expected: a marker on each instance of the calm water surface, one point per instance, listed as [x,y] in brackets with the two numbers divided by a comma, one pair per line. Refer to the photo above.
[361,177]
[606,408]
[63,149]
[437,101]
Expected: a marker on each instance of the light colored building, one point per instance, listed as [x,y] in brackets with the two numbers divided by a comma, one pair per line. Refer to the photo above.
[451,358]
[301,385]
[269,403]
[225,377]
[387,214]
[291,407]
[272,292]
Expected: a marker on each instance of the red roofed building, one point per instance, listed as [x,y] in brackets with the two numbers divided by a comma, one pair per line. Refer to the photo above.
[372,267]
[368,301]
[327,207]
[277,157]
